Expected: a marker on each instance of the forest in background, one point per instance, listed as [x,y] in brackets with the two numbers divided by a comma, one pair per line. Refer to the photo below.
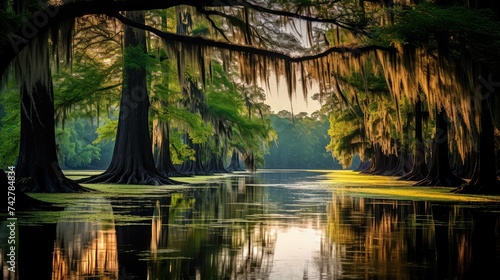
[301,142]
[226,114]
[409,86]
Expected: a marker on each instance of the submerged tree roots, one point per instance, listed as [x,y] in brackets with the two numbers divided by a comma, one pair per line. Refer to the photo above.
[130,177]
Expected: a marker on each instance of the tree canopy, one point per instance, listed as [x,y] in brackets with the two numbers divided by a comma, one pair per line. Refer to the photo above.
[383,69]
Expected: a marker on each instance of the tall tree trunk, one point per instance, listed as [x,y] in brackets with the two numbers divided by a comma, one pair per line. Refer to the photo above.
[398,165]
[164,164]
[235,165]
[419,169]
[484,178]
[220,165]
[194,167]
[405,158]
[37,167]
[440,173]
[467,168]
[132,161]
[216,164]
[212,164]
[392,167]
[249,160]
[379,161]
[363,166]
[497,161]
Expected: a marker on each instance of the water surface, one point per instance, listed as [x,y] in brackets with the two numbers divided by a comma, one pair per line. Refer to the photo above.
[271,225]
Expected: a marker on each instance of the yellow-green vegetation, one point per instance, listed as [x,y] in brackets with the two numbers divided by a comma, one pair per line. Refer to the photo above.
[78,174]
[83,206]
[82,211]
[387,187]
[70,202]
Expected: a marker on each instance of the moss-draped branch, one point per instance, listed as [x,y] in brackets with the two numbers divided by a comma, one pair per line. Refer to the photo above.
[355,50]
[52,16]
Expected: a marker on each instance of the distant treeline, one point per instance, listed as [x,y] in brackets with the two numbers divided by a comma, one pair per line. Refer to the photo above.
[301,142]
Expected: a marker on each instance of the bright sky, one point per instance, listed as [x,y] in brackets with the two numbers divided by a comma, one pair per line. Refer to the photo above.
[278,99]
[281,101]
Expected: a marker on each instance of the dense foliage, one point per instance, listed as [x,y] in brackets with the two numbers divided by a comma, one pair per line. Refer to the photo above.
[301,142]
[391,74]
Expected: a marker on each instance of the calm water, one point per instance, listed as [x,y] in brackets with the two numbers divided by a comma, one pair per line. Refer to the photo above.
[285,225]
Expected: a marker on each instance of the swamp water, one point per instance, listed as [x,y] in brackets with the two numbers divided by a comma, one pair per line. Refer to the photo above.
[269,225]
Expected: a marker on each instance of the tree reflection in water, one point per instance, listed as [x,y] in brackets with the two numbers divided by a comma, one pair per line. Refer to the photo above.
[401,239]
[85,249]
[239,228]
[243,228]
[205,236]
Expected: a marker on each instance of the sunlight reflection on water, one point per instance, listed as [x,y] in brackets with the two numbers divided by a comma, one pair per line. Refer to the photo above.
[273,225]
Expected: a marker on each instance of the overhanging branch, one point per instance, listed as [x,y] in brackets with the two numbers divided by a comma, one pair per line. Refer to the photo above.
[298,16]
[51,16]
[355,50]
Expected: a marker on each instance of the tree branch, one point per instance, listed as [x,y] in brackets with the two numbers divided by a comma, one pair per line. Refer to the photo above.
[109,87]
[246,48]
[297,15]
[214,25]
[51,16]
[234,20]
